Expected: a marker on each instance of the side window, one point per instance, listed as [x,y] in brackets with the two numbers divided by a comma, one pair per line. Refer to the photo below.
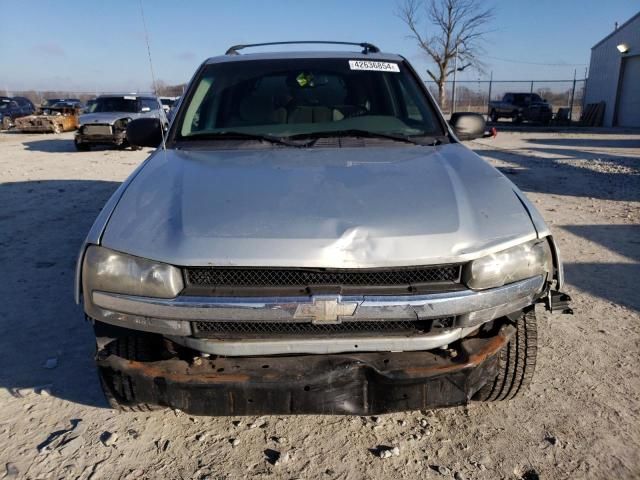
[412,113]
[191,122]
[150,103]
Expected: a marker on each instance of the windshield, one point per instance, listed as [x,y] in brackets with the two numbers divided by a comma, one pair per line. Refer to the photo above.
[116,104]
[298,97]
[51,101]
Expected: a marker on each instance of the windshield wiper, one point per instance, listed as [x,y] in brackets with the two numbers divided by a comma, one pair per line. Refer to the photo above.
[354,132]
[232,135]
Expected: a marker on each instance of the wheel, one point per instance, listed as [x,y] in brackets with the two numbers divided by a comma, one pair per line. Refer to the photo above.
[494,116]
[516,363]
[117,388]
[81,147]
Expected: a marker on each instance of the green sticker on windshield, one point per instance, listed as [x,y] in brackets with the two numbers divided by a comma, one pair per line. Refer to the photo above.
[305,80]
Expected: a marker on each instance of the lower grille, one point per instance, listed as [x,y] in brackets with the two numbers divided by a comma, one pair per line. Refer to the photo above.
[310,330]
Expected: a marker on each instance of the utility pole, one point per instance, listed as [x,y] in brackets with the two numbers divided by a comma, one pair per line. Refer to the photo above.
[490,85]
[455,70]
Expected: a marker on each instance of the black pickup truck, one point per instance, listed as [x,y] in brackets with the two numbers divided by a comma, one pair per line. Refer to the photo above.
[520,107]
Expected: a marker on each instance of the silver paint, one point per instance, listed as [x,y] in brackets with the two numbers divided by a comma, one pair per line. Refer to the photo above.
[342,207]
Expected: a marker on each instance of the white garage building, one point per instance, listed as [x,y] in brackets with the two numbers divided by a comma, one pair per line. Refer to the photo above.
[614,75]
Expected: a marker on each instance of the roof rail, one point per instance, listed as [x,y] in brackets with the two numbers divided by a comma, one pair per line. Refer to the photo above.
[366,47]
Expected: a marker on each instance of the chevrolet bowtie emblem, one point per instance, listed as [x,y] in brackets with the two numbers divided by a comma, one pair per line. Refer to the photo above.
[325,310]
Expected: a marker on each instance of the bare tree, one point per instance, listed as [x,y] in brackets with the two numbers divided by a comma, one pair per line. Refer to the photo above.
[459,26]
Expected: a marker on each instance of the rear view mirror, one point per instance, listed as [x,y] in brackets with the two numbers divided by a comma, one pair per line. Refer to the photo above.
[144,132]
[467,126]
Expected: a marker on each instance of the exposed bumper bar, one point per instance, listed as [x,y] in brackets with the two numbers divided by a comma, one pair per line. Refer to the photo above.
[472,307]
[323,346]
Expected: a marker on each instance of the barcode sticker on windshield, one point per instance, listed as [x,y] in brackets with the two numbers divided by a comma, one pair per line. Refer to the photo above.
[375,66]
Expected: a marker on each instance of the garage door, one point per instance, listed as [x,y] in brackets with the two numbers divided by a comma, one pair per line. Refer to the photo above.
[629,100]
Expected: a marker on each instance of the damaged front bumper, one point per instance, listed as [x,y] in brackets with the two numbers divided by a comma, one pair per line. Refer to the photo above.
[354,384]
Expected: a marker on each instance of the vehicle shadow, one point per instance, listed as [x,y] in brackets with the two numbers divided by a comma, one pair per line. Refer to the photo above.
[61,145]
[610,281]
[51,145]
[42,225]
[570,172]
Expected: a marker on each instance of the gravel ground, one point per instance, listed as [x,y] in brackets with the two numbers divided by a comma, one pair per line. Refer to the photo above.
[579,420]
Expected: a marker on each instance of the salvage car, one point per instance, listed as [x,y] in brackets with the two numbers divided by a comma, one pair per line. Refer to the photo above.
[12,108]
[311,236]
[52,118]
[107,122]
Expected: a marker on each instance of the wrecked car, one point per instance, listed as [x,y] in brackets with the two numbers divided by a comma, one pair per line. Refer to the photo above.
[107,122]
[311,236]
[12,108]
[56,118]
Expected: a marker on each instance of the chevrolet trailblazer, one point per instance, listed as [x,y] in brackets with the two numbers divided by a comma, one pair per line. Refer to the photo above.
[312,237]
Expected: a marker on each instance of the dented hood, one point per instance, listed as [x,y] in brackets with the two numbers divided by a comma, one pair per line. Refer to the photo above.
[342,207]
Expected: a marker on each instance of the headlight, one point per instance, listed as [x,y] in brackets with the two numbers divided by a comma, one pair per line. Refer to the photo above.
[109,271]
[517,263]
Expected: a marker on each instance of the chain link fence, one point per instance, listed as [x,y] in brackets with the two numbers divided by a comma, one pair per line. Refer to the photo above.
[475,95]
[471,95]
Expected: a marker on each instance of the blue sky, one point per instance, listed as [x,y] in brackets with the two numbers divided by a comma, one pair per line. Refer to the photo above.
[99,45]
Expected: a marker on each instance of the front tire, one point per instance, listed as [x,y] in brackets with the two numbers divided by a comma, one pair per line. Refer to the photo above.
[118,389]
[516,363]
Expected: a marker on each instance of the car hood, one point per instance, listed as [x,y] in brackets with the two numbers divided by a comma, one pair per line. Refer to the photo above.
[342,207]
[105,117]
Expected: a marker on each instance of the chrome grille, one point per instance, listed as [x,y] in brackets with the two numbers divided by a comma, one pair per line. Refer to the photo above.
[310,330]
[307,277]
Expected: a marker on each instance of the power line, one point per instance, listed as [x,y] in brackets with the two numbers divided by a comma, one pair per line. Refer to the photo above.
[509,60]
[153,77]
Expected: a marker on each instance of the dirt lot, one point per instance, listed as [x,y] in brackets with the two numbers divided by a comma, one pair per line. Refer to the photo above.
[579,420]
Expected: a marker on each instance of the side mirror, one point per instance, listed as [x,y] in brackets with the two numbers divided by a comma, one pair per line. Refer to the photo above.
[145,109]
[467,126]
[144,132]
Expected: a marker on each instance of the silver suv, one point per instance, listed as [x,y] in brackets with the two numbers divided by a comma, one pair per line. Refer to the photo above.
[312,237]
[106,122]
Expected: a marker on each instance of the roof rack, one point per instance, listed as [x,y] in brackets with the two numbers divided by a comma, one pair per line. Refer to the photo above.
[366,47]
